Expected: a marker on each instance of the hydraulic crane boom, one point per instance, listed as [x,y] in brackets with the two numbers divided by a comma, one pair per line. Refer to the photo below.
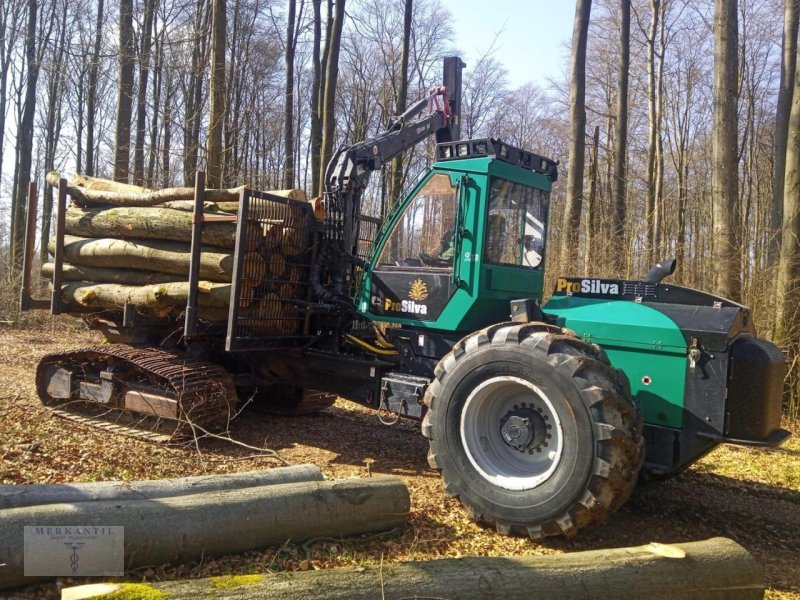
[348,173]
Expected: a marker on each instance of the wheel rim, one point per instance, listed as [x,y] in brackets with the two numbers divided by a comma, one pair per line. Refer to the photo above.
[511,433]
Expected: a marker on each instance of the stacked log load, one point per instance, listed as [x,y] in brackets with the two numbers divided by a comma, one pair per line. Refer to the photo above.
[126,244]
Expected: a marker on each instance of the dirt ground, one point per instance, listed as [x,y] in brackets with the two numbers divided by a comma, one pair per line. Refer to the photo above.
[750,495]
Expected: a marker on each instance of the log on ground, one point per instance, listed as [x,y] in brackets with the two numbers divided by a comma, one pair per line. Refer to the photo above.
[230,521]
[713,569]
[151,223]
[18,496]
[104,275]
[154,255]
[160,297]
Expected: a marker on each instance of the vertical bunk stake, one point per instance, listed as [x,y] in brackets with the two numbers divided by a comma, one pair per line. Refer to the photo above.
[238,269]
[58,259]
[190,322]
[25,300]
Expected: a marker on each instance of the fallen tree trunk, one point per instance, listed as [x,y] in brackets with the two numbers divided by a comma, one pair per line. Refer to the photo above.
[104,275]
[151,223]
[18,496]
[214,523]
[154,255]
[158,298]
[82,195]
[713,569]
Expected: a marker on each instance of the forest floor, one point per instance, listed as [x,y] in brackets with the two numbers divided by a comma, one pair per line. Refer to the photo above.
[749,495]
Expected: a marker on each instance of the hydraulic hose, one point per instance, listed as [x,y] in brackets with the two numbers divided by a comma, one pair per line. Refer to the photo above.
[369,347]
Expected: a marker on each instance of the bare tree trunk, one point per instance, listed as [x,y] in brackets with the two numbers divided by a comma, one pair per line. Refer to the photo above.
[91,95]
[315,136]
[784,106]
[10,14]
[125,95]
[577,133]
[329,97]
[217,109]
[158,80]
[724,149]
[288,118]
[787,295]
[592,222]
[165,170]
[53,127]
[618,214]
[660,220]
[141,92]
[25,139]
[652,109]
[194,95]
[400,108]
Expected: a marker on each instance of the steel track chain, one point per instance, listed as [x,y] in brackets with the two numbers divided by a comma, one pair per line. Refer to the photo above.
[205,391]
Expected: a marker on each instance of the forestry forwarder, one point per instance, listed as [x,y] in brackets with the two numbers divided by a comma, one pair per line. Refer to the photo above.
[540,422]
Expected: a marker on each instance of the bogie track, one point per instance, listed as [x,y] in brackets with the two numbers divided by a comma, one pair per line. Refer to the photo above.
[117,385]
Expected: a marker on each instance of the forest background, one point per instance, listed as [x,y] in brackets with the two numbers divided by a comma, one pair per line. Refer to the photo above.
[677,122]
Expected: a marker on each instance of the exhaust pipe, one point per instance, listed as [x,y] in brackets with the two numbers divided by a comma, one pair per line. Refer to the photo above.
[660,270]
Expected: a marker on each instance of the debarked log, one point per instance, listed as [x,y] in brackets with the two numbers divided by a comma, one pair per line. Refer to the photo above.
[713,569]
[187,528]
[152,223]
[105,275]
[18,496]
[155,255]
[158,297]
[83,195]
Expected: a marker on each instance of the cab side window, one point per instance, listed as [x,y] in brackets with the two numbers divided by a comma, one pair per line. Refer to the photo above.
[424,235]
[516,224]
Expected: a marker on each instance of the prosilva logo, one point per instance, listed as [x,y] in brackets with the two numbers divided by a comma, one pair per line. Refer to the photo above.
[587,286]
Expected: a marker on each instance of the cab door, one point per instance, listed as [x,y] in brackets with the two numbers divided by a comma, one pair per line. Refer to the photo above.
[413,276]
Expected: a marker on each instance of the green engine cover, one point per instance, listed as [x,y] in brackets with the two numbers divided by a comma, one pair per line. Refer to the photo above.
[641,341]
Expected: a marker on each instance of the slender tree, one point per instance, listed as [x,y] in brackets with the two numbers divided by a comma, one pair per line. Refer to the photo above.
[724,148]
[288,120]
[217,109]
[91,94]
[125,92]
[618,214]
[141,91]
[25,138]
[402,97]
[333,44]
[577,132]
[315,134]
[782,110]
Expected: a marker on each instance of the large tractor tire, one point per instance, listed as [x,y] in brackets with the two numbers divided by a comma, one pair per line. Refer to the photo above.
[533,430]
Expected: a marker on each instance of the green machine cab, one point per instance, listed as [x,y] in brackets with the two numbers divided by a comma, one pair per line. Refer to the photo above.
[466,249]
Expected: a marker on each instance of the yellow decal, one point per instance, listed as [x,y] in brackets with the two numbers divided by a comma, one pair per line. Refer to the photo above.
[418,291]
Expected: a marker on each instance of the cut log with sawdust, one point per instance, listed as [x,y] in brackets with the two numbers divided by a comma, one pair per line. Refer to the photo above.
[155,255]
[152,223]
[185,528]
[713,569]
[19,496]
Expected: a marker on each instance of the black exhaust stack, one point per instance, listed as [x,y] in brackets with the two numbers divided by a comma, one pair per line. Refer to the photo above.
[660,270]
